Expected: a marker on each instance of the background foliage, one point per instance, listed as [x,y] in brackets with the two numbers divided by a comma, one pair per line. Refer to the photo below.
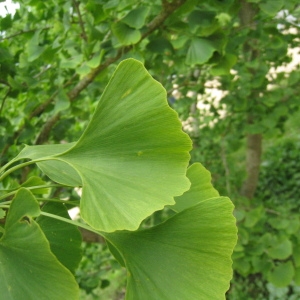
[229,74]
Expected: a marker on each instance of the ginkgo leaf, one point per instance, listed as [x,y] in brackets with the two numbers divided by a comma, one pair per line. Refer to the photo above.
[64,238]
[125,34]
[136,18]
[35,181]
[200,51]
[28,268]
[201,188]
[132,157]
[186,257]
[57,170]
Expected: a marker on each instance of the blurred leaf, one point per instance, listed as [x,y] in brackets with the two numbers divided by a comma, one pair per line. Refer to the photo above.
[253,216]
[136,18]
[278,223]
[271,7]
[34,50]
[293,226]
[125,34]
[160,45]
[83,70]
[282,274]
[203,23]
[242,266]
[35,181]
[224,66]
[200,51]
[239,215]
[96,60]
[180,41]
[2,213]
[5,22]
[282,250]
[62,102]
[71,63]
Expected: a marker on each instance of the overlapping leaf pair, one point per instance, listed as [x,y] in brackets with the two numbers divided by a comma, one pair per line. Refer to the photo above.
[130,162]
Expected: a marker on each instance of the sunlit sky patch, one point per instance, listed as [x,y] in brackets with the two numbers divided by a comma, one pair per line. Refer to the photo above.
[8,7]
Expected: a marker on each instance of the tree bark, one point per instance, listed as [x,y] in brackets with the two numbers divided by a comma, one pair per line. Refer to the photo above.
[254,141]
[253,159]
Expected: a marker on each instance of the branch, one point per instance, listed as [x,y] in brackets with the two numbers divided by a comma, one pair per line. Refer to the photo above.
[45,104]
[4,82]
[168,9]
[254,141]
[43,136]
[83,34]
[22,32]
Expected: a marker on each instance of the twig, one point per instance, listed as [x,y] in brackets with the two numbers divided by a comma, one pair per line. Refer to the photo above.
[45,69]
[22,32]
[44,105]
[271,211]
[43,136]
[4,82]
[83,34]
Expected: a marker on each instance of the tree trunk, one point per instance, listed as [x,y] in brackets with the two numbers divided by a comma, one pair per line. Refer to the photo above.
[254,141]
[253,158]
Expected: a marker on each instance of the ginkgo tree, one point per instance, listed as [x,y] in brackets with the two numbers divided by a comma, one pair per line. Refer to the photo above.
[129,165]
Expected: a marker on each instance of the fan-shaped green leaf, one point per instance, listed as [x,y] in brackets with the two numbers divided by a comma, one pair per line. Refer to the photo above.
[202,23]
[34,50]
[282,274]
[281,250]
[201,188]
[200,51]
[125,34]
[35,181]
[64,238]
[271,7]
[56,170]
[28,268]
[186,257]
[136,18]
[224,65]
[132,158]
